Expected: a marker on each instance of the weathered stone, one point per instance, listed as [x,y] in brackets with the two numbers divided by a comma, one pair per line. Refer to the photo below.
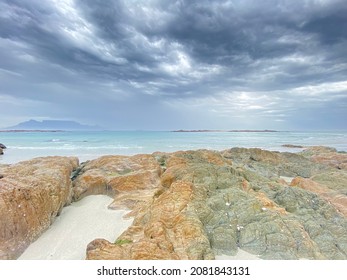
[32,194]
[327,156]
[166,230]
[196,204]
[333,195]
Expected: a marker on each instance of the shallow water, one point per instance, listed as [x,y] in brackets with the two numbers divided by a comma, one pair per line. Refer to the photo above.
[89,145]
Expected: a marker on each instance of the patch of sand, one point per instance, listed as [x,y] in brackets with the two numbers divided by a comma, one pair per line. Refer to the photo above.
[241,255]
[80,223]
[287,179]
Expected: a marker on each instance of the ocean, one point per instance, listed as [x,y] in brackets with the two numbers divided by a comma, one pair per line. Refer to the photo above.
[93,144]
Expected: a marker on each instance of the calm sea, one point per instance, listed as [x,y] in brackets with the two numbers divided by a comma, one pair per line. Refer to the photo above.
[89,145]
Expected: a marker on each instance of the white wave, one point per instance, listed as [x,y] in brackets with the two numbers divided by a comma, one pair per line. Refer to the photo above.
[55,140]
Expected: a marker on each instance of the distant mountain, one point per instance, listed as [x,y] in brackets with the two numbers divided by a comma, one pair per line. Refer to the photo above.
[52,125]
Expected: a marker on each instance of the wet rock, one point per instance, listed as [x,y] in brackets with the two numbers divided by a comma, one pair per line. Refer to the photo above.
[1,151]
[2,146]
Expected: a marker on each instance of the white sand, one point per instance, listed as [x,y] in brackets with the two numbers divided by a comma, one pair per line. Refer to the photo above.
[78,224]
[287,179]
[241,255]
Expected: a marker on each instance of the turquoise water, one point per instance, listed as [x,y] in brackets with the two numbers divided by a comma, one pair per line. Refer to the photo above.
[89,145]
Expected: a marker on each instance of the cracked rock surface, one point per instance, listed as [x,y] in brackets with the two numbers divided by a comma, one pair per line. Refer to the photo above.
[192,204]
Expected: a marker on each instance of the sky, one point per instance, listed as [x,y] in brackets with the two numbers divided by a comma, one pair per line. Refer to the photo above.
[185,64]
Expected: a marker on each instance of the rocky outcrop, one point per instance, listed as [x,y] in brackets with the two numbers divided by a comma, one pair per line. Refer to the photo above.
[2,146]
[132,181]
[1,151]
[326,155]
[210,203]
[32,194]
[194,204]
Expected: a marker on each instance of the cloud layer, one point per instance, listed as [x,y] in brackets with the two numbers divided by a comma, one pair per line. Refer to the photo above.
[175,64]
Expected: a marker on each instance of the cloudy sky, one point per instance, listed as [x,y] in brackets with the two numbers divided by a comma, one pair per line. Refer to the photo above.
[184,64]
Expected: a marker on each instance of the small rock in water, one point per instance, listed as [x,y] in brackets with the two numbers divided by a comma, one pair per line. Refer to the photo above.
[2,146]
[293,146]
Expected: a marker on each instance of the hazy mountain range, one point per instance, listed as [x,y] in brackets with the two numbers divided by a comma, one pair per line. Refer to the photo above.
[52,125]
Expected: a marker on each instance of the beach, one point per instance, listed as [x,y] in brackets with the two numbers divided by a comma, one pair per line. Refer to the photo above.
[237,203]
[79,223]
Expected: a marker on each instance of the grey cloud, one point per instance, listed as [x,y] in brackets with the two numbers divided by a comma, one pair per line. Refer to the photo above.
[122,54]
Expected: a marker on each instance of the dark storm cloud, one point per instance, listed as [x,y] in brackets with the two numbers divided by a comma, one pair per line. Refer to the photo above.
[226,58]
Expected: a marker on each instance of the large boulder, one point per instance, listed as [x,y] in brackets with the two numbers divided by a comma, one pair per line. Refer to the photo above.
[32,194]
[131,180]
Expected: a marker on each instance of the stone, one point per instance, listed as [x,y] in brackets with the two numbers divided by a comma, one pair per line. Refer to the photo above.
[216,202]
[2,146]
[199,204]
[335,197]
[131,180]
[32,194]
[165,230]
[327,156]
[293,146]
[1,151]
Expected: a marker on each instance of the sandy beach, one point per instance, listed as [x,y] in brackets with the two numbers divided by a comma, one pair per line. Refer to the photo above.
[78,224]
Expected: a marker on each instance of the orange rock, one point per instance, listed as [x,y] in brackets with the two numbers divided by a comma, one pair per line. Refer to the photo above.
[339,201]
[164,230]
[90,183]
[269,204]
[32,194]
[129,179]
[327,156]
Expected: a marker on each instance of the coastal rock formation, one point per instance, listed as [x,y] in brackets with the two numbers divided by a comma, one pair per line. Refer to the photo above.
[1,151]
[199,204]
[216,202]
[132,181]
[32,194]
[326,155]
[2,146]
